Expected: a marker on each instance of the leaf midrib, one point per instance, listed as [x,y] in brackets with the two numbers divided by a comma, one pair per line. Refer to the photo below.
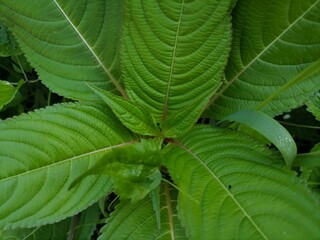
[165,108]
[232,80]
[106,149]
[90,48]
[223,187]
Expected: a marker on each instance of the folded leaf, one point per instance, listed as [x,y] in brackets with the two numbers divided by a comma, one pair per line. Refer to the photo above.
[7,92]
[137,221]
[42,152]
[132,168]
[61,43]
[265,57]
[132,116]
[270,129]
[242,194]
[174,53]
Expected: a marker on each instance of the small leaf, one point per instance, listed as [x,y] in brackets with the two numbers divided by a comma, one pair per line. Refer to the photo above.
[131,115]
[155,197]
[270,129]
[314,106]
[8,44]
[180,122]
[7,92]
[132,168]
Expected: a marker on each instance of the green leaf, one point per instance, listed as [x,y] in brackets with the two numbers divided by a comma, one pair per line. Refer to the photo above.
[138,220]
[8,44]
[314,106]
[132,116]
[270,129]
[181,122]
[242,194]
[68,42]
[7,92]
[174,53]
[268,50]
[42,152]
[132,168]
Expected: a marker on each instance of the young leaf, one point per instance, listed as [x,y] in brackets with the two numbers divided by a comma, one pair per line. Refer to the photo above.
[43,152]
[270,129]
[241,193]
[132,168]
[174,52]
[66,44]
[7,92]
[137,221]
[132,116]
[268,50]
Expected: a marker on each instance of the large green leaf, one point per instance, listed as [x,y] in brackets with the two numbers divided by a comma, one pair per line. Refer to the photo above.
[138,220]
[68,42]
[43,152]
[174,52]
[238,190]
[273,42]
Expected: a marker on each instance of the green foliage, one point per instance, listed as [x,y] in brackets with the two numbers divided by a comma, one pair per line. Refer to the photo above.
[126,159]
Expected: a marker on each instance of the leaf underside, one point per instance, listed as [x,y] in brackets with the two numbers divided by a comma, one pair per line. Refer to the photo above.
[62,45]
[273,41]
[174,53]
[53,147]
[241,193]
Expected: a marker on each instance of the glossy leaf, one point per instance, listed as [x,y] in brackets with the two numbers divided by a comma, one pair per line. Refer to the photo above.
[41,154]
[132,168]
[68,42]
[138,220]
[273,42]
[132,116]
[240,190]
[7,92]
[174,52]
[270,129]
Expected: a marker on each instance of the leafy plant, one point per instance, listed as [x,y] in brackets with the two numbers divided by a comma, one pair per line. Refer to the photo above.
[169,132]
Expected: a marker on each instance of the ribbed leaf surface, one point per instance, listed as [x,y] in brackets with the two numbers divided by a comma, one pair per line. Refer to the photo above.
[237,191]
[138,221]
[174,52]
[68,42]
[273,41]
[43,152]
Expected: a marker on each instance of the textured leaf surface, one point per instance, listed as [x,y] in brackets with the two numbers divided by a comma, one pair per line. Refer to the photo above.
[270,129]
[314,106]
[273,42]
[68,42]
[8,45]
[241,193]
[42,152]
[138,221]
[132,116]
[132,168]
[174,52]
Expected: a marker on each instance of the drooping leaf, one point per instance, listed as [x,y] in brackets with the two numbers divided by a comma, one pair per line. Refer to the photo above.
[273,42]
[42,152]
[7,92]
[132,116]
[68,42]
[270,129]
[242,194]
[174,52]
[136,221]
[132,168]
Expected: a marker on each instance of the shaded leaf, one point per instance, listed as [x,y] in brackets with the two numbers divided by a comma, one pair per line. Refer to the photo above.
[42,152]
[7,92]
[8,45]
[242,194]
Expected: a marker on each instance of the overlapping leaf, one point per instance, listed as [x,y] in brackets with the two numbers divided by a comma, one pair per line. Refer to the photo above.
[68,42]
[239,191]
[174,52]
[138,220]
[273,42]
[43,152]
